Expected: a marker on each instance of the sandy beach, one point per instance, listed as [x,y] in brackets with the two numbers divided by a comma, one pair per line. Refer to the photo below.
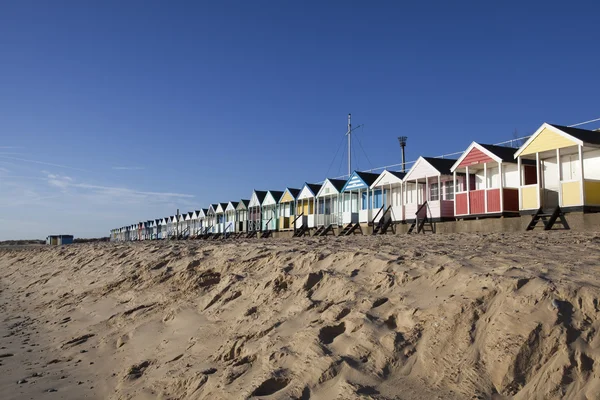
[462,316]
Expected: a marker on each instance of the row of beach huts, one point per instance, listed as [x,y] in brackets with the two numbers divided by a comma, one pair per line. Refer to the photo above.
[556,171]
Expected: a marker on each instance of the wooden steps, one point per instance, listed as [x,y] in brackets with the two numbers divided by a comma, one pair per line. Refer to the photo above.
[382,227]
[324,230]
[351,229]
[302,231]
[548,218]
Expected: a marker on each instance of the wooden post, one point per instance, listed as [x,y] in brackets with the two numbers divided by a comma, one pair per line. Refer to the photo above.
[485,190]
[539,179]
[454,187]
[520,181]
[581,174]
[501,183]
[468,190]
[560,200]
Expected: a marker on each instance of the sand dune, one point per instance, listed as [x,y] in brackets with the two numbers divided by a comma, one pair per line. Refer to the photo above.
[400,317]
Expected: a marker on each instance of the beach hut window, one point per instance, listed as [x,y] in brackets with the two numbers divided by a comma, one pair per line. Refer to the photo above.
[449,189]
[434,192]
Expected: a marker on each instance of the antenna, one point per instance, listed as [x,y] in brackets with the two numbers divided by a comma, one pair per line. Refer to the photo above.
[349,134]
[402,141]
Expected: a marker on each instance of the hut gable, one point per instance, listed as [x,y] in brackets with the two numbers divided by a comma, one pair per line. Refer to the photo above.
[331,186]
[309,191]
[231,206]
[427,167]
[359,180]
[551,137]
[272,198]
[388,178]
[289,195]
[243,205]
[258,196]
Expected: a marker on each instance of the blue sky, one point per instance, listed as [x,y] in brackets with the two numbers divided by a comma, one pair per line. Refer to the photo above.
[115,112]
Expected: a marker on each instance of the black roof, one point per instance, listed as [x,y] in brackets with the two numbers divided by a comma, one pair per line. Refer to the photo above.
[234,203]
[367,177]
[276,194]
[205,210]
[245,202]
[214,206]
[224,205]
[190,213]
[294,192]
[502,152]
[314,187]
[443,165]
[338,184]
[398,174]
[260,194]
[581,134]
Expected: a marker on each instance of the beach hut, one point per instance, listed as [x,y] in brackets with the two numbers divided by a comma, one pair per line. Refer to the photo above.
[220,217]
[306,205]
[211,218]
[492,181]
[241,215]
[429,189]
[359,202]
[230,217]
[567,170]
[269,218]
[163,228]
[202,223]
[287,209]
[254,210]
[390,183]
[328,204]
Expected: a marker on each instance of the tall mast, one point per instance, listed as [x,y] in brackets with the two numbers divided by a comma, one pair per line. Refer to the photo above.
[349,144]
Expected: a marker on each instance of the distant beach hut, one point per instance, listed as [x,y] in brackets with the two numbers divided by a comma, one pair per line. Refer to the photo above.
[567,170]
[328,203]
[359,202]
[231,217]
[429,189]
[202,223]
[306,205]
[59,240]
[390,183]
[241,212]
[269,218]
[220,215]
[492,181]
[211,218]
[287,209]
[254,210]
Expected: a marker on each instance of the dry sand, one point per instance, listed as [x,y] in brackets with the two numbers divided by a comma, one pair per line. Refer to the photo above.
[401,317]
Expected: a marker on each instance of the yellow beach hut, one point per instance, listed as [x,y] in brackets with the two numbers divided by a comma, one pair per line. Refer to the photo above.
[567,169]
[287,209]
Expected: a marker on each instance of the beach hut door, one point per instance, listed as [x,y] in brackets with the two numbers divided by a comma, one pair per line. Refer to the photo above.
[551,184]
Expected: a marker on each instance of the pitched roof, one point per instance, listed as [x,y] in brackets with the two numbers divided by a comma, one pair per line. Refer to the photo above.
[294,192]
[234,203]
[502,152]
[224,205]
[314,187]
[398,174]
[260,195]
[367,177]
[338,184]
[245,202]
[443,165]
[582,134]
[276,195]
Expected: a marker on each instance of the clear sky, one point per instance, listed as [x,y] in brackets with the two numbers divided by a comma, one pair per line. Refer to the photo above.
[112,112]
